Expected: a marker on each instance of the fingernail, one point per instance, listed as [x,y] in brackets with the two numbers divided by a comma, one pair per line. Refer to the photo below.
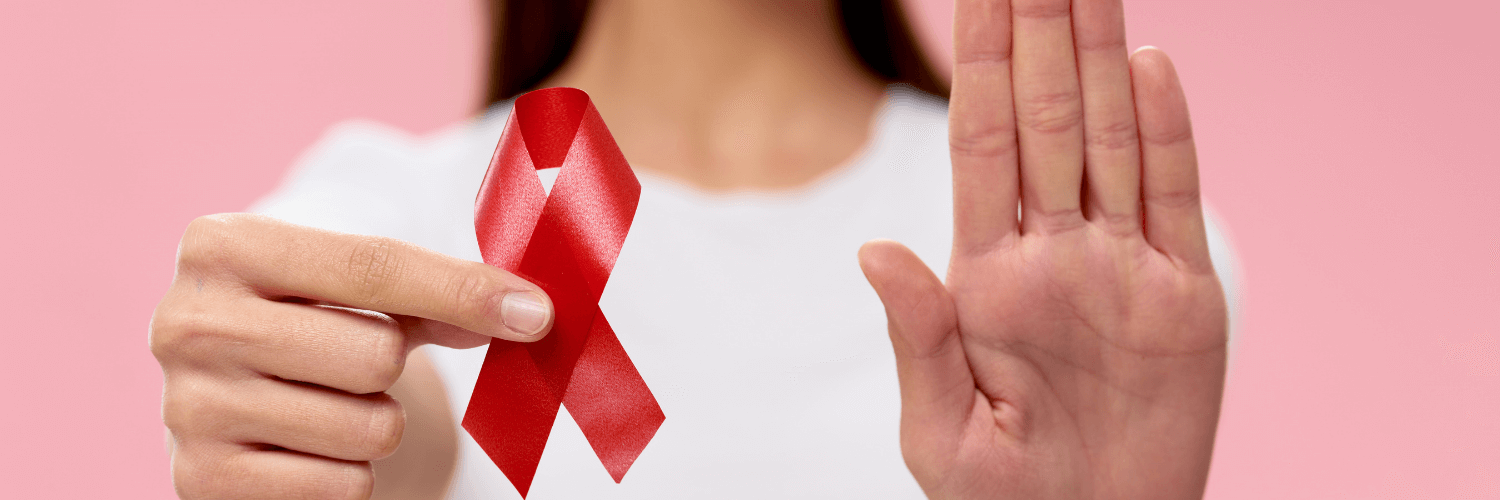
[524,313]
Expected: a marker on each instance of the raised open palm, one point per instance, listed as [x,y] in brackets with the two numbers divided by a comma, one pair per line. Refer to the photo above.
[1078,350]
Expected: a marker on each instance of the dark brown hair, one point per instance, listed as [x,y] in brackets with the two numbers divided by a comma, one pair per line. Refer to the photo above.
[531,39]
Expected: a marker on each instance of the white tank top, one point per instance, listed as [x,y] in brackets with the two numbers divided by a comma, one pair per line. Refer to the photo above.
[746,314]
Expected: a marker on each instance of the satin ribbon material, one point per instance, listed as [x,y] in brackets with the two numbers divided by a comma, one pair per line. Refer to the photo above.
[566,242]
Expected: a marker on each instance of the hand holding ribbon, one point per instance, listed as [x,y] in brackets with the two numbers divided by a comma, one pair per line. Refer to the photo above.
[566,242]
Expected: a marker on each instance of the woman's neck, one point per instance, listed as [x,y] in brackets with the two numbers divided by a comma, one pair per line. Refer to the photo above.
[725,94]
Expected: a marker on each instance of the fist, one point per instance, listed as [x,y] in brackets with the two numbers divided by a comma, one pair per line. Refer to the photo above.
[278,343]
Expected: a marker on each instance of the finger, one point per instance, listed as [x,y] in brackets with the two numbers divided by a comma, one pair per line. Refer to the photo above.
[982,126]
[316,421]
[355,351]
[1112,158]
[291,415]
[367,272]
[273,474]
[1169,190]
[937,388]
[1049,115]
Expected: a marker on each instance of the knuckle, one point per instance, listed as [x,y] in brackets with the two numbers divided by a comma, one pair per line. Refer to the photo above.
[1109,43]
[385,425]
[1109,38]
[207,471]
[983,56]
[190,477]
[162,337]
[1051,113]
[1057,220]
[178,330]
[352,481]
[386,361]
[374,262]
[209,241]
[176,410]
[1175,199]
[1119,224]
[1116,135]
[1041,9]
[473,290]
[1169,137]
[983,141]
[188,408]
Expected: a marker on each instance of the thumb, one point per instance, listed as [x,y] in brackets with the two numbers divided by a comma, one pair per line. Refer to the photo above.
[937,388]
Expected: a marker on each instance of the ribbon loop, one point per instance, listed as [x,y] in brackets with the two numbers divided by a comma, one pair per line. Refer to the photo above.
[566,242]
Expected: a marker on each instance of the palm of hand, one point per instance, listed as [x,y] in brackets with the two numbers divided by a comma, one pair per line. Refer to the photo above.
[1076,351]
[1097,364]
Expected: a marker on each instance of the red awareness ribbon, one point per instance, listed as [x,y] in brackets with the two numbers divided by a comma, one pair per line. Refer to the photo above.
[566,242]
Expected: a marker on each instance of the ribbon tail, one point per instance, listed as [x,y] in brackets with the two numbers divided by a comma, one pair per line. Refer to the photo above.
[566,241]
[610,402]
[513,419]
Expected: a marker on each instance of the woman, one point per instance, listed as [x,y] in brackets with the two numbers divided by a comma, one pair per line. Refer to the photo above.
[1076,349]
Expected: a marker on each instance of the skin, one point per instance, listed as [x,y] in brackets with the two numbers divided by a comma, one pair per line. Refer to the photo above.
[727,94]
[1076,350]
[280,377]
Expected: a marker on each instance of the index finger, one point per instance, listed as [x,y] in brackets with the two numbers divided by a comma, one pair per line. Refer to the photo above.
[982,126]
[279,260]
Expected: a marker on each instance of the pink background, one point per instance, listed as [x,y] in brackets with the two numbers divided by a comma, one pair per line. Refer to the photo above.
[1349,145]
